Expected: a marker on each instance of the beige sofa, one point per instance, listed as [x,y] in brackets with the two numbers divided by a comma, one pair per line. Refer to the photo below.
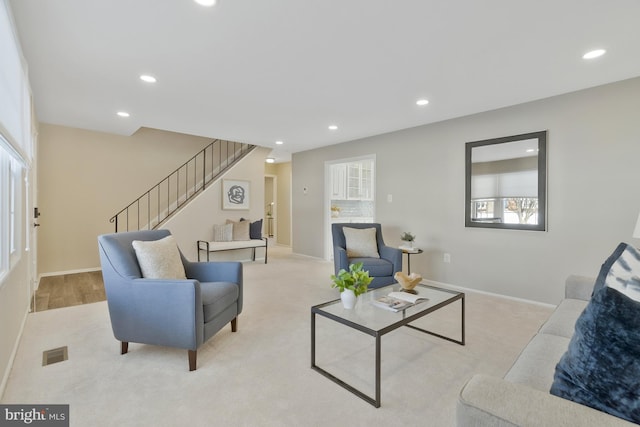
[522,397]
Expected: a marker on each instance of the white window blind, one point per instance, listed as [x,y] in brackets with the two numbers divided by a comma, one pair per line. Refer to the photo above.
[510,184]
[15,98]
[15,141]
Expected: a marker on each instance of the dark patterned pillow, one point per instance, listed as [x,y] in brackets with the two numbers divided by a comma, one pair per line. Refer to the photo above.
[606,267]
[255,230]
[601,367]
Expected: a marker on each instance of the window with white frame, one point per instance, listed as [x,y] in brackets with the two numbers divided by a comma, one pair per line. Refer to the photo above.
[5,161]
[15,210]
[11,209]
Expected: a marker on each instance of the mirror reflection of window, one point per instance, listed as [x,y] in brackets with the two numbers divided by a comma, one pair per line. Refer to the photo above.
[506,182]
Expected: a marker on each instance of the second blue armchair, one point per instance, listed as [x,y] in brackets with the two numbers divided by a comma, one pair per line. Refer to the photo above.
[382,269]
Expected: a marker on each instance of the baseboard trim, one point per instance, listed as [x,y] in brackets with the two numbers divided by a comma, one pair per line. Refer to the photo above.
[493,294]
[60,273]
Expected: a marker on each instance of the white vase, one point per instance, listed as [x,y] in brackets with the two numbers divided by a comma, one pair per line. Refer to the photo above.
[348,298]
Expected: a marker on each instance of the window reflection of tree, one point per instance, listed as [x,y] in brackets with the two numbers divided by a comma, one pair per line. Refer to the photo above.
[524,207]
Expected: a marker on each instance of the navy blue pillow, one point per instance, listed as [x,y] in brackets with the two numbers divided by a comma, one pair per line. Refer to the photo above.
[606,266]
[255,229]
[601,368]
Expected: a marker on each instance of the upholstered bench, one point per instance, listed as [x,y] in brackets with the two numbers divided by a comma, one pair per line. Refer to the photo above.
[209,247]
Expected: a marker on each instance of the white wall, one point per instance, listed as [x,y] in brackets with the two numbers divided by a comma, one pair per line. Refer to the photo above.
[593,151]
[195,221]
[15,291]
[85,177]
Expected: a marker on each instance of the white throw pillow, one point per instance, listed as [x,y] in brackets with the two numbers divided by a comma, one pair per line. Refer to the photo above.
[361,242]
[223,233]
[240,229]
[159,259]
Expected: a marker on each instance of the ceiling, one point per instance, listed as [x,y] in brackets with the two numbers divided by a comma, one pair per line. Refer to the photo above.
[260,71]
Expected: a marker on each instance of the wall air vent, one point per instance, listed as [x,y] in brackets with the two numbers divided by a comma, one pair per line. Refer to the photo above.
[55,355]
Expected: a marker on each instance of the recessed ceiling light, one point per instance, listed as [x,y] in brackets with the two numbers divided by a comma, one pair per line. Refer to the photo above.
[270,160]
[333,127]
[279,142]
[594,54]
[123,114]
[207,3]
[422,102]
[147,78]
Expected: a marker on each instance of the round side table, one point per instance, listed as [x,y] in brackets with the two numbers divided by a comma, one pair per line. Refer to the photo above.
[410,252]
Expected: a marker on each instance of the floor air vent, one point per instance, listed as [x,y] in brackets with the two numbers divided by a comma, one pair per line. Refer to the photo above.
[54,355]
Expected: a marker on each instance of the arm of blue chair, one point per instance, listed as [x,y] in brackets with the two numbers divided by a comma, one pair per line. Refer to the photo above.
[159,312]
[393,255]
[340,259]
[216,271]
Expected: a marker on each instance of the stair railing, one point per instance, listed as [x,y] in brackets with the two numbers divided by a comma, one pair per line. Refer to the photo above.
[165,198]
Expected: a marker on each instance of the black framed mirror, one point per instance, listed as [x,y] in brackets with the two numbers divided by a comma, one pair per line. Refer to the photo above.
[506,182]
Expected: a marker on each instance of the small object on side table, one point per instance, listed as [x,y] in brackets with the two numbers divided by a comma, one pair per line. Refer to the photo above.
[408,282]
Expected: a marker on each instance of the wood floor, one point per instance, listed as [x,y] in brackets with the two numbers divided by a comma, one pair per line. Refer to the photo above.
[69,289]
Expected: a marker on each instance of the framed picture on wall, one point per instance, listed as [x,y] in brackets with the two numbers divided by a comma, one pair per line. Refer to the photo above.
[235,194]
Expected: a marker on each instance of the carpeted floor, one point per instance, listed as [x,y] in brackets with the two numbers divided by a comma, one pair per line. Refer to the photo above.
[261,375]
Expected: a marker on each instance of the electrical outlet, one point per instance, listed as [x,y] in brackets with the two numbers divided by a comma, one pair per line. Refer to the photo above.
[447,258]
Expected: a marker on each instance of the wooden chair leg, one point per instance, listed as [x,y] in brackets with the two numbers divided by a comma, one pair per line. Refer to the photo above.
[234,324]
[192,359]
[124,347]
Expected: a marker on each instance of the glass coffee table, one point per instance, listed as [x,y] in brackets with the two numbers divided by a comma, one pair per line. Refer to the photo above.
[377,321]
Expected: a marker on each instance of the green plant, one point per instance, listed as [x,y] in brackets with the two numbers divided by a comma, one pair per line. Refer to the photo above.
[407,237]
[355,279]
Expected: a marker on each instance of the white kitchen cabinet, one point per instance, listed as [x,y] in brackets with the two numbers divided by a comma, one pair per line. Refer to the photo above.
[352,181]
[339,181]
[360,180]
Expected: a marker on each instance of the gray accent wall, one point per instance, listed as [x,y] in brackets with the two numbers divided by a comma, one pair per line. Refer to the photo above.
[593,199]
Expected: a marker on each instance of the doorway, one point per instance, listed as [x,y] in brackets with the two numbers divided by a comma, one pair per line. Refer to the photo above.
[349,194]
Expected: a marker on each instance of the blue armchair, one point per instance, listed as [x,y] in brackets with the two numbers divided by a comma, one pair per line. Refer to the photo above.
[174,313]
[381,269]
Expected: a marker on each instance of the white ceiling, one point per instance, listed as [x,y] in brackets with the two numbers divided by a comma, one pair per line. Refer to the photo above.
[258,71]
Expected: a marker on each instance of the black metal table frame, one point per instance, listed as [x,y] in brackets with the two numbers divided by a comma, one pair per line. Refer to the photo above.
[408,254]
[378,336]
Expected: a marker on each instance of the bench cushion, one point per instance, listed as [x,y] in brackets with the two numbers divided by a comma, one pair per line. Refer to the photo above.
[237,244]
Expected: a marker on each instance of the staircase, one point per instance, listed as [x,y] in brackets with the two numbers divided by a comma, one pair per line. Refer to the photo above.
[164,199]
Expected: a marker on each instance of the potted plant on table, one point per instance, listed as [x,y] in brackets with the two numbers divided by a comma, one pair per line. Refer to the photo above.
[409,238]
[351,284]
